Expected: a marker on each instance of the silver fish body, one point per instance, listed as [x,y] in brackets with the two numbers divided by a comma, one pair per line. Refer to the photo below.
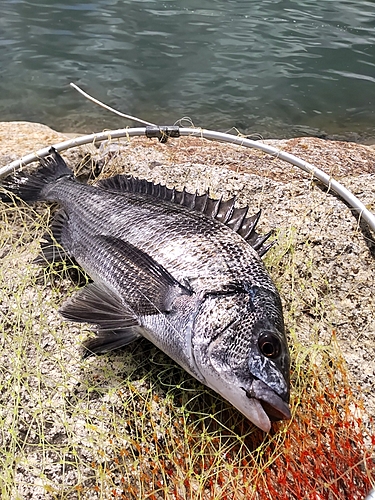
[175,268]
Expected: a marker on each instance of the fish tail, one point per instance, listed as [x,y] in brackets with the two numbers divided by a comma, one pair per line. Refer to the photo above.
[30,187]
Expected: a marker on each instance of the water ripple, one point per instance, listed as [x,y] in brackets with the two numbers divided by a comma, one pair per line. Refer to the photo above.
[272,67]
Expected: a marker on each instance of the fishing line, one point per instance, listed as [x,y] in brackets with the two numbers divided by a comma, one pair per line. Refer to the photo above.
[105,106]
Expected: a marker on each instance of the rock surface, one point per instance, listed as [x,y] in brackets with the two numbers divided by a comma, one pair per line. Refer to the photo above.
[323,264]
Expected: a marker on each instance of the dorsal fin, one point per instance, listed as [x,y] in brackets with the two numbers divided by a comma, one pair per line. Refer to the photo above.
[223,211]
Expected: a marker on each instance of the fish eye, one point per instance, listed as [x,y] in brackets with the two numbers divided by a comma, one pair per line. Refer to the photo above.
[269,345]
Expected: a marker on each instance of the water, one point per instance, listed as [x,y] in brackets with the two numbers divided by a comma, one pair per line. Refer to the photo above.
[276,68]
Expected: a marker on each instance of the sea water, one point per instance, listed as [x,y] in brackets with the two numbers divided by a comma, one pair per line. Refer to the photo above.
[269,68]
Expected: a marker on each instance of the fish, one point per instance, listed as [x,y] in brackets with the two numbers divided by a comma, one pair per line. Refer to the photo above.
[181,269]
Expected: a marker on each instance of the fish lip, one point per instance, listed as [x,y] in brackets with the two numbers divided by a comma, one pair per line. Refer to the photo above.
[250,407]
[275,407]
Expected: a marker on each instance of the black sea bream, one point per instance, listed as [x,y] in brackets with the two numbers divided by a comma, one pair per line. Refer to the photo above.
[182,270]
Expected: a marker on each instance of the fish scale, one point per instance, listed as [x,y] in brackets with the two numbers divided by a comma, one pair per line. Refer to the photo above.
[123,215]
[174,267]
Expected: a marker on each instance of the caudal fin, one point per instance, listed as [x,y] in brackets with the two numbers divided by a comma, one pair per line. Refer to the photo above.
[29,186]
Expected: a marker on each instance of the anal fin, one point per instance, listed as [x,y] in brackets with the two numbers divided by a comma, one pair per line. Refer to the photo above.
[106,341]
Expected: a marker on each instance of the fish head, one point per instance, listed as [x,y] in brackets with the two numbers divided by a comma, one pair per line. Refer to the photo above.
[240,348]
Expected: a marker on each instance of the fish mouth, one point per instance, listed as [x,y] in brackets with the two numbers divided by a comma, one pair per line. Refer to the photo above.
[258,402]
[273,405]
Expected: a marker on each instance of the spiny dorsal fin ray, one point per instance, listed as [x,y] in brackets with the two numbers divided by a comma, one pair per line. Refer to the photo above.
[237,218]
[224,211]
[264,249]
[258,241]
[248,226]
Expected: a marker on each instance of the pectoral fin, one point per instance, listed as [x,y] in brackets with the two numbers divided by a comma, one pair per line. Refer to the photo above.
[148,287]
